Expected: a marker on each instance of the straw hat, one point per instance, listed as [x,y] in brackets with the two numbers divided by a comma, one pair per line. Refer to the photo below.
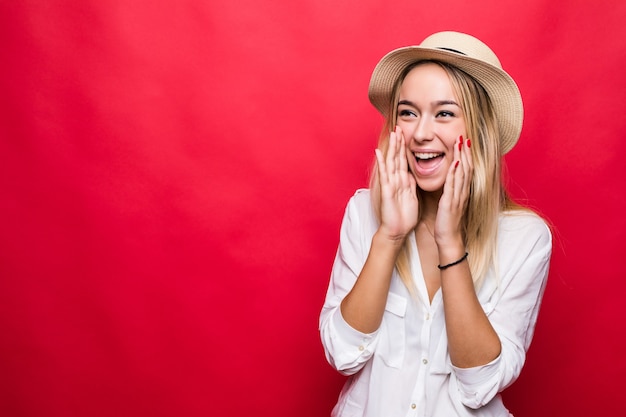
[469,55]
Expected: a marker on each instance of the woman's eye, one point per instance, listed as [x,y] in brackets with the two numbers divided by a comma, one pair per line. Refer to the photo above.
[405,113]
[445,113]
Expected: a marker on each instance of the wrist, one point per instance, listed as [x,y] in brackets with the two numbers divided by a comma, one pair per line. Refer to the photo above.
[448,265]
[387,237]
[451,252]
[391,243]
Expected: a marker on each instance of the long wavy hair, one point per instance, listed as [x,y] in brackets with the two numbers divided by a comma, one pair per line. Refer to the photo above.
[488,197]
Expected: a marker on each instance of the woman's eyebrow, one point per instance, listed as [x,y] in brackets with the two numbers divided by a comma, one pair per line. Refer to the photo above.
[436,103]
[447,102]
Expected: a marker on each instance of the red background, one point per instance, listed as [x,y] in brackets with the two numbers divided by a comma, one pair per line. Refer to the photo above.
[173,177]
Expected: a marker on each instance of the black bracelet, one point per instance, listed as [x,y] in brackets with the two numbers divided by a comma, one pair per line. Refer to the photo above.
[453,263]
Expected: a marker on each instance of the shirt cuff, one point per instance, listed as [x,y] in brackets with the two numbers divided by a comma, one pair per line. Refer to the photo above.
[478,385]
[357,348]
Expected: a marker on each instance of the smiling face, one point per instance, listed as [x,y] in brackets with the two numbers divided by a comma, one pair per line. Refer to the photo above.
[432,120]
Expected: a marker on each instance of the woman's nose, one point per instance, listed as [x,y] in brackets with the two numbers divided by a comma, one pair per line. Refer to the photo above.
[424,130]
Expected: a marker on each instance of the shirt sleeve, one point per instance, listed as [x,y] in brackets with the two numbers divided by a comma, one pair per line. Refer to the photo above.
[347,349]
[525,246]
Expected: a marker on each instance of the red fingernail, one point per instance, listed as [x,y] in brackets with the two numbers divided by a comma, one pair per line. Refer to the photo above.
[457,164]
[461,139]
[469,143]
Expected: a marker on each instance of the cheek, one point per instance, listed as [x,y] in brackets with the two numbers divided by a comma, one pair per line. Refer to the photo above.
[406,132]
[450,142]
[453,138]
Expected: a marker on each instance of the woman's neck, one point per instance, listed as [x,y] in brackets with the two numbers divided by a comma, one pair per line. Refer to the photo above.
[429,205]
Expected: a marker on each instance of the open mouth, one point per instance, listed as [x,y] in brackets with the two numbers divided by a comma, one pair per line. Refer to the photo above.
[428,160]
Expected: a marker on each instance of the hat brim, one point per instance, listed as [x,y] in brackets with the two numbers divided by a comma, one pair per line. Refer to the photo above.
[501,88]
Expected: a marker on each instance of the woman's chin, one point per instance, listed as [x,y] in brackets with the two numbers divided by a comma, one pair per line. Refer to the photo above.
[430,185]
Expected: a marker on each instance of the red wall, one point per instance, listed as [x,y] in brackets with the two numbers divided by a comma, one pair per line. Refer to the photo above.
[173,176]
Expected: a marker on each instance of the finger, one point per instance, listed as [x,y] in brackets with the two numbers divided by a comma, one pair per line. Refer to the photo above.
[382,168]
[412,185]
[451,180]
[399,145]
[468,167]
[448,186]
[391,153]
[404,165]
[467,151]
[459,174]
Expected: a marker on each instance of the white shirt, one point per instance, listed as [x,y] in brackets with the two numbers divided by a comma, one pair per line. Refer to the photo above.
[403,369]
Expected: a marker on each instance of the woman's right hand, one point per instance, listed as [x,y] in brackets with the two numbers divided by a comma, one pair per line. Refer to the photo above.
[398,190]
[364,305]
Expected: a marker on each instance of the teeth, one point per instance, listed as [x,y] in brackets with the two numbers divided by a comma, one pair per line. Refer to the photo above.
[425,155]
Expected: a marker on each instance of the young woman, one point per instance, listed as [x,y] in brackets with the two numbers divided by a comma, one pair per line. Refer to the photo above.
[439,275]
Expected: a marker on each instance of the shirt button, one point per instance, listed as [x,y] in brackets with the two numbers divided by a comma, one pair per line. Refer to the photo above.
[424,361]
[413,406]
[361,348]
[427,316]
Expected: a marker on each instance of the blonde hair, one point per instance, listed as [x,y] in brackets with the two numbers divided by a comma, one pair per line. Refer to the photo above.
[488,196]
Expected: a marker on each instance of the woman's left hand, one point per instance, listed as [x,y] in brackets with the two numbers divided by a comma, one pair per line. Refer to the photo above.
[455,197]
